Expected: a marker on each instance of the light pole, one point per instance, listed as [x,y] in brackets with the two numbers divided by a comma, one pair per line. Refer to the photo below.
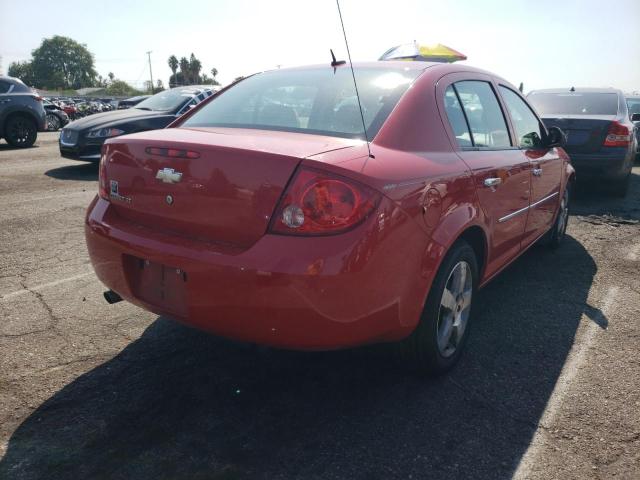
[150,73]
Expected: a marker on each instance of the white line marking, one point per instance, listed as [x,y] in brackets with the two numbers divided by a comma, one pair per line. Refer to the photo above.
[42,286]
[634,253]
[568,374]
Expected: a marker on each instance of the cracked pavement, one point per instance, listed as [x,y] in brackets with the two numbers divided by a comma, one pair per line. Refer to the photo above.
[548,388]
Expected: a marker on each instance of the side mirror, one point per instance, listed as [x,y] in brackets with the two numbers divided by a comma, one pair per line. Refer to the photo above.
[635,117]
[556,137]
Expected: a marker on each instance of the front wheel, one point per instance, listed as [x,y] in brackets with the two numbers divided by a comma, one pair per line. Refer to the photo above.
[437,342]
[53,122]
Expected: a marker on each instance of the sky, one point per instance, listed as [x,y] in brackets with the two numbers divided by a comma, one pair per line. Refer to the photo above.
[543,43]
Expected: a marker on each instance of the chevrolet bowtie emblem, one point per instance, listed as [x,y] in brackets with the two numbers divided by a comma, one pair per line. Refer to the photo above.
[168,175]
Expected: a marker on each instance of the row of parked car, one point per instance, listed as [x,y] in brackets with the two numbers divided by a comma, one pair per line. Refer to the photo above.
[62,110]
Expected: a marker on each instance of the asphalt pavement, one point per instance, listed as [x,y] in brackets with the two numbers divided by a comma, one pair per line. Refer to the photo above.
[549,387]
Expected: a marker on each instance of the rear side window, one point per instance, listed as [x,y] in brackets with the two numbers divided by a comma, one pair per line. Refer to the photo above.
[574,103]
[4,86]
[318,101]
[483,112]
[456,118]
[526,124]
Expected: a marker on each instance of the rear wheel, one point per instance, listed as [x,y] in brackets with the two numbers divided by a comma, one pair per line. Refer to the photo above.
[437,342]
[20,131]
[53,122]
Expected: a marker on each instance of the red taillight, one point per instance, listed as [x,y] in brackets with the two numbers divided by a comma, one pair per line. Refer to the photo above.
[172,152]
[319,203]
[617,136]
[103,182]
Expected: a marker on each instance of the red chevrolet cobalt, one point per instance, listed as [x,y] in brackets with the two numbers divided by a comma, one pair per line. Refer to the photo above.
[264,215]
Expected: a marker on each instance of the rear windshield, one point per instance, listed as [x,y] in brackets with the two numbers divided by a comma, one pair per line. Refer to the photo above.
[587,103]
[318,101]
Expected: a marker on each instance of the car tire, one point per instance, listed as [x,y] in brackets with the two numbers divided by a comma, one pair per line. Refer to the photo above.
[436,344]
[20,131]
[556,234]
[53,122]
[620,188]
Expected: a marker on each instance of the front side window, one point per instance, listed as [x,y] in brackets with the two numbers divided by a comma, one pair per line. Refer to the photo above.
[483,112]
[4,86]
[528,130]
[318,101]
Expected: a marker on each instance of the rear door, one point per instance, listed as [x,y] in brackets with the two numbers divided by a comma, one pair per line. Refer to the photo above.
[501,173]
[546,164]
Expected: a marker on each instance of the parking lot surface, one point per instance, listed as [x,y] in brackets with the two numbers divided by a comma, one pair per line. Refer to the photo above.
[548,388]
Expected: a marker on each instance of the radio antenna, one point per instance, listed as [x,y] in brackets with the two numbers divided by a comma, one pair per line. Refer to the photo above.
[355,84]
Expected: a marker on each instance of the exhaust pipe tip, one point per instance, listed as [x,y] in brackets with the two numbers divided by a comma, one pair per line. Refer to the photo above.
[112,297]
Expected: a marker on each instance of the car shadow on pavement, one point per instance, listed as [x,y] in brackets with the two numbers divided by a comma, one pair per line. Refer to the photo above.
[179,403]
[81,171]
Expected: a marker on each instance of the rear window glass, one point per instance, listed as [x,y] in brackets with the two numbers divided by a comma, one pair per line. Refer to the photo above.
[587,103]
[319,101]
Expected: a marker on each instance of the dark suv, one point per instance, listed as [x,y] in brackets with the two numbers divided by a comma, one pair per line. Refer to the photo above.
[22,114]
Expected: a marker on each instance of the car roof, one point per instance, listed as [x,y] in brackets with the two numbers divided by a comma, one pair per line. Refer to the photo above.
[577,90]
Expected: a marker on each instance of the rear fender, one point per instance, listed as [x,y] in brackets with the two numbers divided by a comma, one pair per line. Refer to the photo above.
[452,226]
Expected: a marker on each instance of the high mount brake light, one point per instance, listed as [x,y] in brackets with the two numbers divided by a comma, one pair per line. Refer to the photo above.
[172,152]
[617,136]
[321,203]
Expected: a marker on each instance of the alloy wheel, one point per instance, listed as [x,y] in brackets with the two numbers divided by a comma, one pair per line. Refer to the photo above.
[455,307]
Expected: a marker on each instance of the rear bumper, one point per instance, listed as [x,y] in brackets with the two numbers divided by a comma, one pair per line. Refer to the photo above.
[364,286]
[608,163]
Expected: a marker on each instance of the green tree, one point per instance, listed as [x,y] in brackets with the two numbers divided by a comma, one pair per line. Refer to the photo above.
[184,70]
[194,68]
[23,71]
[111,76]
[61,62]
[173,64]
[121,88]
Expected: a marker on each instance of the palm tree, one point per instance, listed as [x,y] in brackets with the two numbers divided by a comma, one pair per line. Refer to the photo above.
[214,72]
[111,76]
[194,66]
[184,69]
[173,65]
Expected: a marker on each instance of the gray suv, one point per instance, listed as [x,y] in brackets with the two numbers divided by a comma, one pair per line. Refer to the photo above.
[22,113]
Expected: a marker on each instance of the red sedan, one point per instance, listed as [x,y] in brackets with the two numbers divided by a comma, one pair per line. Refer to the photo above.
[263,214]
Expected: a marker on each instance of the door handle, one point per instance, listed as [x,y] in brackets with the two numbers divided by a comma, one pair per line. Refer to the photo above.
[537,172]
[492,182]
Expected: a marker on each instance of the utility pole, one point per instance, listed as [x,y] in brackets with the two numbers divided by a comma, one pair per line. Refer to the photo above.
[150,73]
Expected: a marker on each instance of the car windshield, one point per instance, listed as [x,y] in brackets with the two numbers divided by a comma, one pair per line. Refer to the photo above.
[574,103]
[319,101]
[167,100]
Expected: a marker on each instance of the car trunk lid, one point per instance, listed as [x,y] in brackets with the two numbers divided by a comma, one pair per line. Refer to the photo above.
[227,195]
[585,134]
